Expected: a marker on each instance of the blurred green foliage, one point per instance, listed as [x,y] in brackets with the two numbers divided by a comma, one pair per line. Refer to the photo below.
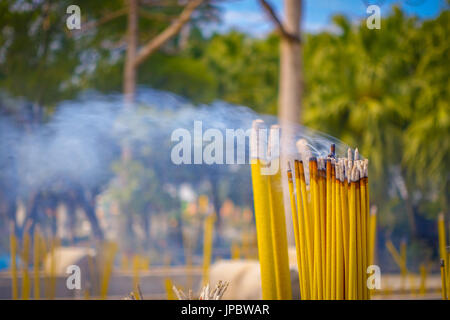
[387,92]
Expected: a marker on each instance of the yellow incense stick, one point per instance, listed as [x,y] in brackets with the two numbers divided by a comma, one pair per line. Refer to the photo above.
[333,234]
[92,277]
[279,237]
[207,246]
[395,254]
[367,218]
[442,248]
[13,249]
[423,279]
[203,203]
[352,243]
[46,247]
[442,238]
[36,263]
[339,242]
[296,224]
[373,235]
[359,246]
[412,283]
[306,293]
[400,261]
[345,233]
[308,234]
[322,207]
[235,251]
[403,269]
[443,281]
[25,263]
[328,229]
[187,246]
[53,262]
[169,289]
[136,270]
[448,273]
[108,255]
[317,227]
[364,236]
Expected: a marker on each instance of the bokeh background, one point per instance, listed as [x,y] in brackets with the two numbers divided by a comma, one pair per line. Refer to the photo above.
[81,166]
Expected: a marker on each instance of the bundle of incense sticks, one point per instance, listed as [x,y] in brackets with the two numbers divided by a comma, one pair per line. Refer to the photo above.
[13,249]
[330,214]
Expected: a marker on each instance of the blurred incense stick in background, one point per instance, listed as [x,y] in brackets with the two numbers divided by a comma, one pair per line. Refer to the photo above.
[423,279]
[235,251]
[13,250]
[208,237]
[36,262]
[372,233]
[400,260]
[136,268]
[443,280]
[109,250]
[169,289]
[26,286]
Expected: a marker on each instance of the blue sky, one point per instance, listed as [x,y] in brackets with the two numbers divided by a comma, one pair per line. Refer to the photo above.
[248,16]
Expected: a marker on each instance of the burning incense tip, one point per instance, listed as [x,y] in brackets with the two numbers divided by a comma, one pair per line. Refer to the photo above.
[349,154]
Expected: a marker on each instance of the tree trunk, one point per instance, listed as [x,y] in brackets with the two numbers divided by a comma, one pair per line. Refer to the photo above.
[290,87]
[290,94]
[129,81]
